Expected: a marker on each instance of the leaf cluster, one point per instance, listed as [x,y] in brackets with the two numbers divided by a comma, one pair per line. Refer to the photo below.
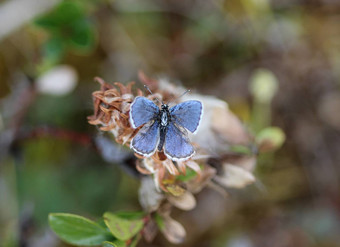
[69,28]
[115,229]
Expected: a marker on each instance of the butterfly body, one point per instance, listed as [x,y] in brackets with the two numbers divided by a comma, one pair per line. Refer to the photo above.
[164,120]
[165,127]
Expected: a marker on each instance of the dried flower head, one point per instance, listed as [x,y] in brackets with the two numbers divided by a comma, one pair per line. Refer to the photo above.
[111,112]
[216,159]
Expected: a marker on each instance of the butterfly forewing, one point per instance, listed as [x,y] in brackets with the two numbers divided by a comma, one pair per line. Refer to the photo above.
[142,111]
[147,138]
[187,114]
[177,145]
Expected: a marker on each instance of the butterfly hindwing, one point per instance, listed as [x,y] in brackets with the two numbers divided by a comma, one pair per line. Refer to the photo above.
[142,111]
[177,145]
[187,114]
[147,138]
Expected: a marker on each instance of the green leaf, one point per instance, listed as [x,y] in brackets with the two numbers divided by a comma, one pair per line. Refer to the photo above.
[124,226]
[108,244]
[130,215]
[159,221]
[83,35]
[240,149]
[53,49]
[65,13]
[190,174]
[77,230]
[46,22]
[115,243]
[270,139]
[135,240]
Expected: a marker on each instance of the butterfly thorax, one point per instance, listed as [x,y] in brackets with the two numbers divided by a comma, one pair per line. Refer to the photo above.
[164,120]
[164,116]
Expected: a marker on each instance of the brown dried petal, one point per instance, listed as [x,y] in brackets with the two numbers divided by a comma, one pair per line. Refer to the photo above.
[139,92]
[149,165]
[151,83]
[158,178]
[94,121]
[104,85]
[142,170]
[182,167]
[170,167]
[123,89]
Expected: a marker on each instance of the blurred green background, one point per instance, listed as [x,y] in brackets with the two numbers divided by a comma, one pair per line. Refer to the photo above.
[49,157]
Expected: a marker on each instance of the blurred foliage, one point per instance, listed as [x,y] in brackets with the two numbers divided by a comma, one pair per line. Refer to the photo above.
[270,139]
[69,28]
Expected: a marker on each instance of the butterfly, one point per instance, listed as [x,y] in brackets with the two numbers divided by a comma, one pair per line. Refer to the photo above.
[164,127]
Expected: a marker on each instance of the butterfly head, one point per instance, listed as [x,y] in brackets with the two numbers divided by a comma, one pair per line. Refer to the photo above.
[165,107]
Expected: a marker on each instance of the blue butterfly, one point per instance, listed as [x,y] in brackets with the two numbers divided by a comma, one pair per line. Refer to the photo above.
[164,127]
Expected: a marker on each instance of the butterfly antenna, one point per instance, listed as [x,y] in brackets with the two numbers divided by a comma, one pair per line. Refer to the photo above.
[173,98]
[184,93]
[147,88]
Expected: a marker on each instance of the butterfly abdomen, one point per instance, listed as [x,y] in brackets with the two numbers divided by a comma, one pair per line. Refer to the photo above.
[163,119]
[161,138]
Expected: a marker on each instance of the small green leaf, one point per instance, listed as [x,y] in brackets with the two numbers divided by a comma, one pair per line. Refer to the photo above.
[130,215]
[270,139]
[190,174]
[123,227]
[159,221]
[53,49]
[69,11]
[115,243]
[65,13]
[135,240]
[83,35]
[46,22]
[240,149]
[77,230]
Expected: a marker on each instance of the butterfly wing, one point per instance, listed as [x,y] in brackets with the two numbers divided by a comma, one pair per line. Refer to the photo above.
[177,145]
[142,111]
[146,140]
[187,114]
